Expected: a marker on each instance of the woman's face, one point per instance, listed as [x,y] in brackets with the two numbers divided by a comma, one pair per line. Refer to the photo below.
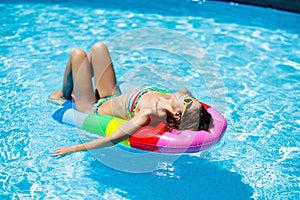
[181,101]
[189,109]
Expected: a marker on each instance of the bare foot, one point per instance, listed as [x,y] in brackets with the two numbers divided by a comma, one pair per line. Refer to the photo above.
[57,95]
[57,98]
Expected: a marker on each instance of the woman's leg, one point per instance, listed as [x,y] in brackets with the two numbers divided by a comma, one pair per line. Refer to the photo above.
[103,71]
[78,80]
[82,81]
[67,86]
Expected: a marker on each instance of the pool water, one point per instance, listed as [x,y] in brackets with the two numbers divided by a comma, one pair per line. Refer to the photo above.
[243,60]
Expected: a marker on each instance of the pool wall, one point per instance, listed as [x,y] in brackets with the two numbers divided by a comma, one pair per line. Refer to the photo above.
[288,5]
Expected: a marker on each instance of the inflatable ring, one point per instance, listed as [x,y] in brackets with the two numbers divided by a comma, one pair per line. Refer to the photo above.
[147,138]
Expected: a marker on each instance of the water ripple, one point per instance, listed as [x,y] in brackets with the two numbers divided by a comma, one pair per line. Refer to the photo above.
[260,74]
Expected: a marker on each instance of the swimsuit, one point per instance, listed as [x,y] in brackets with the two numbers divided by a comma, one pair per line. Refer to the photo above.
[101,101]
[134,99]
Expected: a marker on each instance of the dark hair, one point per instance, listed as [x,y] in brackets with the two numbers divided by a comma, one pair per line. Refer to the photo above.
[204,119]
[171,122]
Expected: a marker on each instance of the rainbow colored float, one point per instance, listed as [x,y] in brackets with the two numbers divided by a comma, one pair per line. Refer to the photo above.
[148,138]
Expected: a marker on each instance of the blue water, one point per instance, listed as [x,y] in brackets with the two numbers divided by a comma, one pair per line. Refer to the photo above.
[243,60]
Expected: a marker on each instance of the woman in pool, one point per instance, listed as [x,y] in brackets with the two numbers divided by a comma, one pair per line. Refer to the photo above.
[147,106]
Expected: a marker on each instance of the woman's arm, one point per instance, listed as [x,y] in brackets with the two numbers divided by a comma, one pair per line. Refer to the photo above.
[120,134]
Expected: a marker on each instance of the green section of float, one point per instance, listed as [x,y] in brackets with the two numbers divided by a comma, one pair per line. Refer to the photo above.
[96,123]
[103,125]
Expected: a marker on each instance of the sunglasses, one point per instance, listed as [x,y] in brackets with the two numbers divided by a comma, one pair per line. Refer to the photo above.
[186,103]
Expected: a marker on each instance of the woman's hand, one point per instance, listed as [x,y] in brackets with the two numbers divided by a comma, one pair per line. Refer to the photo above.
[63,151]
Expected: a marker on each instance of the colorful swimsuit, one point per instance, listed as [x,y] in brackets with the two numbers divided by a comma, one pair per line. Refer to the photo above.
[101,101]
[134,99]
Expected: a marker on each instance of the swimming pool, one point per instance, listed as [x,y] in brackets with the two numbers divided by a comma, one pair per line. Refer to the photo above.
[250,55]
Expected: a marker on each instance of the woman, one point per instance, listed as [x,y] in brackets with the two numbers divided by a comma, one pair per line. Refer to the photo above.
[147,106]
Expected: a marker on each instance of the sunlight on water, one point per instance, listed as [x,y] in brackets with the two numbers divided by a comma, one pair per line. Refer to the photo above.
[247,66]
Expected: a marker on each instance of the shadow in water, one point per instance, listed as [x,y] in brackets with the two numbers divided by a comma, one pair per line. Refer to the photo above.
[187,178]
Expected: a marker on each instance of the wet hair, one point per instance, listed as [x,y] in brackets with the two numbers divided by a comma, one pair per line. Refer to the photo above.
[204,119]
[203,124]
[171,122]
